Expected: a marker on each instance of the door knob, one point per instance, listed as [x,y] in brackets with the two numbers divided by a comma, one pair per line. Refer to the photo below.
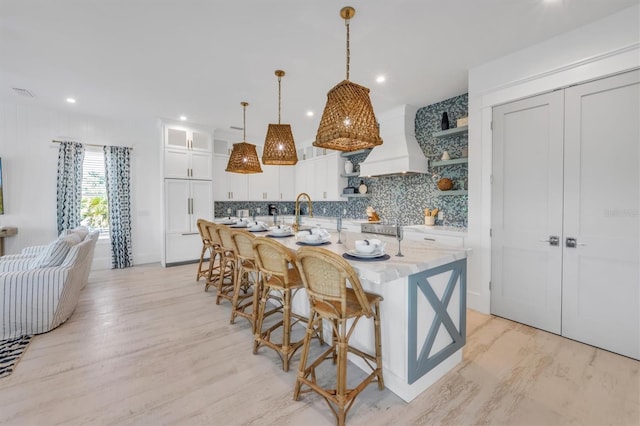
[573,243]
[553,240]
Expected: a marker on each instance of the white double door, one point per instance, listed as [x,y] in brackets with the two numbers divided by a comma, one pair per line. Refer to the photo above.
[565,213]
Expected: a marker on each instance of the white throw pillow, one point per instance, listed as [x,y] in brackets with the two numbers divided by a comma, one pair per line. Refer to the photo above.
[55,252]
[81,231]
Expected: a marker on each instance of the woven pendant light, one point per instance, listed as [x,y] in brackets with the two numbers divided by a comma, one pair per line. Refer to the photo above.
[348,122]
[244,158]
[279,146]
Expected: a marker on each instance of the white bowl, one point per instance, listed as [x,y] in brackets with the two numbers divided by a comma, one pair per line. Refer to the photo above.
[312,237]
[279,231]
[365,246]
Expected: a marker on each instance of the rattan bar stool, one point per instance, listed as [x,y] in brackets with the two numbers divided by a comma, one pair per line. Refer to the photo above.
[325,276]
[280,282]
[205,268]
[230,261]
[222,276]
[244,302]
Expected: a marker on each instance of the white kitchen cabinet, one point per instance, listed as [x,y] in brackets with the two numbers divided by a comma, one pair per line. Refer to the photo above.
[304,177]
[187,154]
[186,138]
[264,186]
[320,177]
[185,201]
[228,186]
[185,164]
[286,177]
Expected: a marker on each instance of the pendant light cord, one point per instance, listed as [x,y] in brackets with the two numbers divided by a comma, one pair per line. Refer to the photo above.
[346,23]
[279,80]
[244,123]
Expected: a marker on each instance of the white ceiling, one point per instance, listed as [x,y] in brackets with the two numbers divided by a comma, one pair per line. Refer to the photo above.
[201,58]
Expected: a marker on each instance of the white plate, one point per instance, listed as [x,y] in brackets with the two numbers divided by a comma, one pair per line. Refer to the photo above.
[315,242]
[356,253]
[279,235]
[239,225]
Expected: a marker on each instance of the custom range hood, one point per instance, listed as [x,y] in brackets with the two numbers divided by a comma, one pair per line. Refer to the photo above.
[399,152]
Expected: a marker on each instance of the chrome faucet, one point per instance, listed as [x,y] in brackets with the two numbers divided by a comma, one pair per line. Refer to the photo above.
[296,225]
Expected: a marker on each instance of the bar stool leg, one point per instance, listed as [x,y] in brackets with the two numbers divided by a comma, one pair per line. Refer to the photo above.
[378,339]
[305,354]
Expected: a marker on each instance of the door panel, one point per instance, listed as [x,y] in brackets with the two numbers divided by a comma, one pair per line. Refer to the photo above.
[176,209]
[526,209]
[201,202]
[601,280]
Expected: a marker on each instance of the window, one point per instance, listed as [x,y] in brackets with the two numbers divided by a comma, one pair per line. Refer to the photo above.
[94,209]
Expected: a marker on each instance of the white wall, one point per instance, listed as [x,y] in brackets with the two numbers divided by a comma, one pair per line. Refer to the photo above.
[605,47]
[29,161]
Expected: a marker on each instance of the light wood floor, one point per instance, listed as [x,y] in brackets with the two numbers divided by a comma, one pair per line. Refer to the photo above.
[147,346]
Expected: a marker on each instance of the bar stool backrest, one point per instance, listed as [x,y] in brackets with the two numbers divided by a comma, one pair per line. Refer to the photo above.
[325,276]
[226,239]
[243,243]
[273,258]
[204,233]
[212,230]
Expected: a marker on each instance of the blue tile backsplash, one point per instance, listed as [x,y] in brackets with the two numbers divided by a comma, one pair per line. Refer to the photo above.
[400,198]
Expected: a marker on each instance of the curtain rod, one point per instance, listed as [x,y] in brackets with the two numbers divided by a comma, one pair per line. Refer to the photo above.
[92,144]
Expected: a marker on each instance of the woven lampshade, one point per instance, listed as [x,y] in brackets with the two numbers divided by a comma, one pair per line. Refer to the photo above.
[348,122]
[244,158]
[279,146]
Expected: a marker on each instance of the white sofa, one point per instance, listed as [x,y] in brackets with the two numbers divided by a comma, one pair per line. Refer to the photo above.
[41,286]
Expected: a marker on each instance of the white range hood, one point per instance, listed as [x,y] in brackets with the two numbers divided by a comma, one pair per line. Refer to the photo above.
[399,152]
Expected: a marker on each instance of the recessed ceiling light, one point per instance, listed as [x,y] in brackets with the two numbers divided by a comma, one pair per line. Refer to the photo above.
[71,100]
[380,79]
[183,118]
[309,113]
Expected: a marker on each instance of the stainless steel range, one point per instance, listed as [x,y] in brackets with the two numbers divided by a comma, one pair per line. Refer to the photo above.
[390,229]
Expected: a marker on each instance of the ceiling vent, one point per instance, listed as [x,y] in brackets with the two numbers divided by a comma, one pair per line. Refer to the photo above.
[26,93]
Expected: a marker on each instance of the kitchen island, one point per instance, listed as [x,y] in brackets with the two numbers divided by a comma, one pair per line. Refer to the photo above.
[423,313]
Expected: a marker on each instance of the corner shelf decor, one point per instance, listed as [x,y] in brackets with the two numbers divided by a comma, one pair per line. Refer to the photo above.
[450,132]
[347,175]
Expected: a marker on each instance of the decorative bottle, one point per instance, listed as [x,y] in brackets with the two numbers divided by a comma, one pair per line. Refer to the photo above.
[444,124]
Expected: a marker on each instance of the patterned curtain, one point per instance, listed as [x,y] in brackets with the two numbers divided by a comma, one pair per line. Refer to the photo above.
[69,184]
[118,182]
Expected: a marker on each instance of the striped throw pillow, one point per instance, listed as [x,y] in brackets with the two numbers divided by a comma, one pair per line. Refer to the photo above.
[55,252]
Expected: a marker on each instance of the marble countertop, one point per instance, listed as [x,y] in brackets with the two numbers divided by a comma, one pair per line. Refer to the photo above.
[417,257]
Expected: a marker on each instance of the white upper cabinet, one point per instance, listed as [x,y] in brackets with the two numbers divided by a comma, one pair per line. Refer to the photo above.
[320,177]
[287,183]
[187,154]
[275,183]
[182,137]
[228,186]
